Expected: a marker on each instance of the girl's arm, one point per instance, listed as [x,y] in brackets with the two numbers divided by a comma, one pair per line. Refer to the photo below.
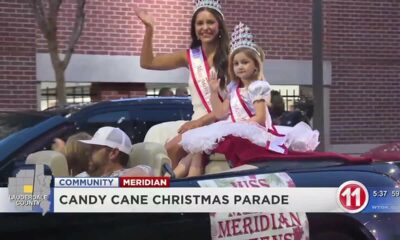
[220,109]
[259,92]
[147,58]
[203,121]
[261,112]
[207,119]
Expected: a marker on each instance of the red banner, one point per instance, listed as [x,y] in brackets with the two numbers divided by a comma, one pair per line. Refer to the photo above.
[144,182]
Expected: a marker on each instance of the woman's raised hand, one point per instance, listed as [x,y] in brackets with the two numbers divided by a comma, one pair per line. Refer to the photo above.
[144,16]
[213,81]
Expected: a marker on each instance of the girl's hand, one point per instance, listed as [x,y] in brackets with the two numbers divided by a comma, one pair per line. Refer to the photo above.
[189,125]
[145,17]
[213,81]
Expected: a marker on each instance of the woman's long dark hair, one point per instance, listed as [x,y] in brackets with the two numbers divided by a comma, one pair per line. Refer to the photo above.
[220,60]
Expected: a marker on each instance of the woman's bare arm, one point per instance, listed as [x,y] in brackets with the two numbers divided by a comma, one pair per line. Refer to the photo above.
[147,58]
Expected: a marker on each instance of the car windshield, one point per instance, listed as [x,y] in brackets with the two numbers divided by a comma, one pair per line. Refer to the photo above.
[12,122]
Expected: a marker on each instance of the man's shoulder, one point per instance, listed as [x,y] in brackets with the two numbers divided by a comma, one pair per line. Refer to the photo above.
[118,173]
[138,170]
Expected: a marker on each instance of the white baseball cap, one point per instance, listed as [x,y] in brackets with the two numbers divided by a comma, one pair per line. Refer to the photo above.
[111,137]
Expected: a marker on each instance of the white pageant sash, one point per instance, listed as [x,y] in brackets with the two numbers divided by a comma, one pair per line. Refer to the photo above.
[199,69]
[240,112]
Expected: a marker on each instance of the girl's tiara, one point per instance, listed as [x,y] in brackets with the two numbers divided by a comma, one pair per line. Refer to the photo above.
[214,4]
[242,38]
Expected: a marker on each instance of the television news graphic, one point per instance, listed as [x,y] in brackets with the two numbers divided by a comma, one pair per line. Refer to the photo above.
[383,200]
[154,182]
[195,199]
[86,182]
[352,196]
[30,190]
[112,182]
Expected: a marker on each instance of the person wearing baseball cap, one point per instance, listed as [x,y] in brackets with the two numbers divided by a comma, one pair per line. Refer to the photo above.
[110,154]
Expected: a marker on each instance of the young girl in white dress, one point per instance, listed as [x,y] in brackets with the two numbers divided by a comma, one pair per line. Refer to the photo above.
[245,106]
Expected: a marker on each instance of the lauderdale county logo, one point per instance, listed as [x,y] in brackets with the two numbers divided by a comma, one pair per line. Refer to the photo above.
[30,190]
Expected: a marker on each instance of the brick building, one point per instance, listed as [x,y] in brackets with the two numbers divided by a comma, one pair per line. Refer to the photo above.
[361,56]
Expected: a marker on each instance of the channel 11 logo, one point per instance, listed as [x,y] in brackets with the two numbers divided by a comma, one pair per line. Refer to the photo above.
[352,196]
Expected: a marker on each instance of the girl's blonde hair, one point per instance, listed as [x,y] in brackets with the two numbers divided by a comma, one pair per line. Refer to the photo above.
[258,61]
[77,153]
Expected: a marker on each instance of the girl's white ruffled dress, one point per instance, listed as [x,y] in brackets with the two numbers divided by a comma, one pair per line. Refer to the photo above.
[205,139]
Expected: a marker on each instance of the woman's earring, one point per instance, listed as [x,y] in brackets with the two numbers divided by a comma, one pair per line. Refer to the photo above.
[219,36]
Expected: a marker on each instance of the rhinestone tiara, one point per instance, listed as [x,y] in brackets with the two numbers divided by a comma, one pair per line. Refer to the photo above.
[242,38]
[214,4]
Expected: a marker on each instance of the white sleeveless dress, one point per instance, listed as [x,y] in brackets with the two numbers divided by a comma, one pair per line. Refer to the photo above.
[206,139]
[163,132]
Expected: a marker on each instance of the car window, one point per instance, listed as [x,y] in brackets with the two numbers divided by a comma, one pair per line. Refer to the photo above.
[143,119]
[120,119]
[110,117]
[162,114]
[12,122]
[136,122]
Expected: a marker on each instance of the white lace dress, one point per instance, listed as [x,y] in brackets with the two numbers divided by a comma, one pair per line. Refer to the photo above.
[206,139]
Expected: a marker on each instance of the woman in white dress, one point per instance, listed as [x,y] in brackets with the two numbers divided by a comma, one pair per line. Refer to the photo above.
[246,106]
[209,50]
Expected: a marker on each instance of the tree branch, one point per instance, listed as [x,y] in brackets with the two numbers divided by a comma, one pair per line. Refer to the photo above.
[38,11]
[54,7]
[76,31]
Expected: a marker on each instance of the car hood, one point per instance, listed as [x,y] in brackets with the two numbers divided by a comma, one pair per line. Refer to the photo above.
[13,142]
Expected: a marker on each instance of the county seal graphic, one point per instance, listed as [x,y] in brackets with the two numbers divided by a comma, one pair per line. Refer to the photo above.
[30,190]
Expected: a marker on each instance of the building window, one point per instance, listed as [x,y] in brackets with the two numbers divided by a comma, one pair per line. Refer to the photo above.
[76,93]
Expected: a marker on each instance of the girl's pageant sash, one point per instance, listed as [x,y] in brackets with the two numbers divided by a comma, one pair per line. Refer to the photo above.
[240,112]
[200,71]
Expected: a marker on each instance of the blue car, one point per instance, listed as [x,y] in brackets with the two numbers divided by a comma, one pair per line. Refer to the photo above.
[136,116]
